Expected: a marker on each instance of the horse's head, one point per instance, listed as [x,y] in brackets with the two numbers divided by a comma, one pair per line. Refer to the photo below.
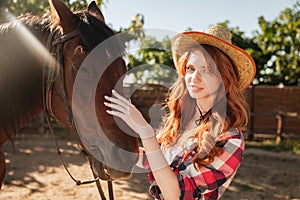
[83,34]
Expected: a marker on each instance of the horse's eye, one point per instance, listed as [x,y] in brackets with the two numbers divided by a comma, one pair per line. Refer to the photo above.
[78,57]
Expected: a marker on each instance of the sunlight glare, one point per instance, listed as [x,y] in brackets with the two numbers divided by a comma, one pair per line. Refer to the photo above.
[30,41]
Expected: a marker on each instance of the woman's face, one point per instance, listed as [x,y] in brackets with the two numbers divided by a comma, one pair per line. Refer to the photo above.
[202,81]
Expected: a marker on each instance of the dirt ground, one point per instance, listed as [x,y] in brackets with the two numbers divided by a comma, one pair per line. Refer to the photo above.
[34,171]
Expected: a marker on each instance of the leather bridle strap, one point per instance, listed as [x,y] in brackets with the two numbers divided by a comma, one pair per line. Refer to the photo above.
[109,184]
[50,73]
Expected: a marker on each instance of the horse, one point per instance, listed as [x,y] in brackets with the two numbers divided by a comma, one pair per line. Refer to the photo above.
[31,84]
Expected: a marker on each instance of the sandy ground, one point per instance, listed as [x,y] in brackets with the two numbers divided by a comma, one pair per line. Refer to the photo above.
[34,171]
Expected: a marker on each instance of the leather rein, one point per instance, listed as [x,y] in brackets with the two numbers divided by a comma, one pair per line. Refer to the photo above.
[51,71]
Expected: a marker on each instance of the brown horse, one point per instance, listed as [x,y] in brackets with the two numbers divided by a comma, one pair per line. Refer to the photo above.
[30,83]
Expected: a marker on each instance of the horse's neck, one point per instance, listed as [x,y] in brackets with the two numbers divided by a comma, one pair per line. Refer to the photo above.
[21,79]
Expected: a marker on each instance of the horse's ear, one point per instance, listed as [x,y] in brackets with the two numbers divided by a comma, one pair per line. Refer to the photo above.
[94,10]
[62,16]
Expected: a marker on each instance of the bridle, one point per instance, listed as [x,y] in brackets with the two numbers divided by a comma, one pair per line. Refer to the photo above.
[51,71]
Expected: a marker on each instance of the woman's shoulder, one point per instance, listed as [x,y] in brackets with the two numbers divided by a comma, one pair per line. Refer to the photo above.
[233,133]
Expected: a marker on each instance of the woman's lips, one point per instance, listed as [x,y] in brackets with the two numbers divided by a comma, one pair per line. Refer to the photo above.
[196,89]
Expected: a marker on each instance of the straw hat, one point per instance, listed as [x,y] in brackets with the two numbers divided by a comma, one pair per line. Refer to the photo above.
[220,37]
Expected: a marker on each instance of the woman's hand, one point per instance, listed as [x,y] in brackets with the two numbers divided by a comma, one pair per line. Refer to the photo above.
[123,108]
[164,175]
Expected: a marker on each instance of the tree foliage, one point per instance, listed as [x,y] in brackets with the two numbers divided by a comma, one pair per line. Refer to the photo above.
[37,7]
[134,31]
[154,60]
[279,41]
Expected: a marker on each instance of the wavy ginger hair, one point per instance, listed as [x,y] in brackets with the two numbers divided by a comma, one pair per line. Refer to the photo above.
[214,124]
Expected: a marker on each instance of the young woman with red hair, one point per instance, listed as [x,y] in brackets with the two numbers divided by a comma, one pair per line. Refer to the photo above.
[198,149]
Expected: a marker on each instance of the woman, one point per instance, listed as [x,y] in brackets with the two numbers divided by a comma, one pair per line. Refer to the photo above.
[199,148]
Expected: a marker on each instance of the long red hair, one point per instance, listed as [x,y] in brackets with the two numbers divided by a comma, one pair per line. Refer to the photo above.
[182,108]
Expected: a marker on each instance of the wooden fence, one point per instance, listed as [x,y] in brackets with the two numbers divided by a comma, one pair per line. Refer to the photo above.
[275,111]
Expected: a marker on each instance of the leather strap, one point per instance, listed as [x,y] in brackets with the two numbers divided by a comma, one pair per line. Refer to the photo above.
[51,71]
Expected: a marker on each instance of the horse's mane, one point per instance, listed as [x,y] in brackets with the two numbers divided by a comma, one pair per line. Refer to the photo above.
[21,69]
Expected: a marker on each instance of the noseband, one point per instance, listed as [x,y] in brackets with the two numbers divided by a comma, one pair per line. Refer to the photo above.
[51,71]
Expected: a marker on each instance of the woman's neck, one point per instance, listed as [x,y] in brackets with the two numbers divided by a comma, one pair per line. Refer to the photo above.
[206,104]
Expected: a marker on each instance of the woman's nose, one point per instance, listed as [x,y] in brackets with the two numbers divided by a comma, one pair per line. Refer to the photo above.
[196,76]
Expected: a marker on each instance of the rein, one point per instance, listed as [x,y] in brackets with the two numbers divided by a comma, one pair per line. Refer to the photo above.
[51,71]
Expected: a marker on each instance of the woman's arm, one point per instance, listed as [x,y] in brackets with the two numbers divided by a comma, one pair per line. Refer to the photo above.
[163,174]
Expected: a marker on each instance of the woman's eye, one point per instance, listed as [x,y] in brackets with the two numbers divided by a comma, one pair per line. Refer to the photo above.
[189,69]
[205,70]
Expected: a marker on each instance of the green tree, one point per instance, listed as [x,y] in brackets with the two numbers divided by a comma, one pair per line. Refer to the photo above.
[37,7]
[279,41]
[134,31]
[154,59]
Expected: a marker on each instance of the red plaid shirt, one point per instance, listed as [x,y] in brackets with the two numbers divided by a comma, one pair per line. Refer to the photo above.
[210,181]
